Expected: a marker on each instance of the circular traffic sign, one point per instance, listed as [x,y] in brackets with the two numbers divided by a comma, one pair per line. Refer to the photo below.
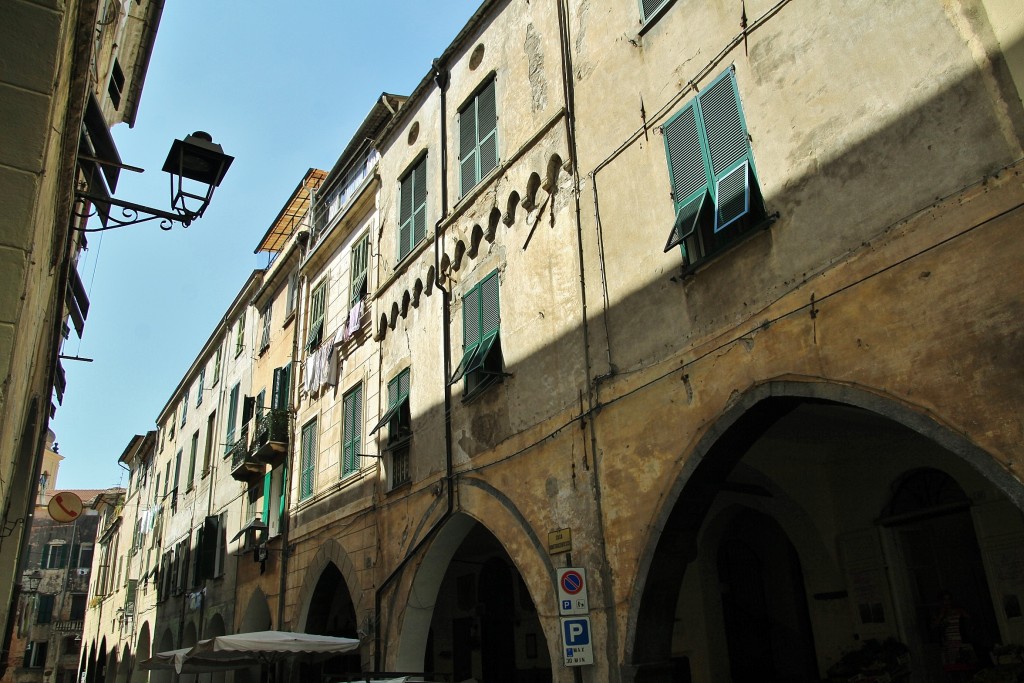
[572,582]
[64,507]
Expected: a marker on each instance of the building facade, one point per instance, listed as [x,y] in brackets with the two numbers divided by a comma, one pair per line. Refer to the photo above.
[718,304]
[72,71]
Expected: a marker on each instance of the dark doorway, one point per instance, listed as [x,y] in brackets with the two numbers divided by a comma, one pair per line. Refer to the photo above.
[764,604]
[331,613]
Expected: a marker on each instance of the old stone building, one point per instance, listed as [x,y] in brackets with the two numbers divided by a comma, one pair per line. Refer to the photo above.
[718,303]
[71,70]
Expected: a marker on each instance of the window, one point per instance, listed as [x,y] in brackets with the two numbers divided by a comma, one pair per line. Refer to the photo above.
[399,423]
[184,408]
[232,416]
[307,462]
[216,369]
[711,168]
[174,421]
[199,389]
[352,439]
[265,321]
[77,606]
[649,8]
[116,85]
[481,363]
[360,259]
[317,309]
[412,208]
[35,654]
[192,453]
[274,496]
[293,291]
[44,608]
[84,559]
[208,447]
[279,396]
[478,138]
[240,335]
[54,556]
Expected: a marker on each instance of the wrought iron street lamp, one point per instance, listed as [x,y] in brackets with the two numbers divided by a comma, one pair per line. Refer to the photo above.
[32,581]
[196,166]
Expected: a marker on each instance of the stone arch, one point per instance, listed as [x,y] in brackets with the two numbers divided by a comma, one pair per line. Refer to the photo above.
[330,552]
[257,613]
[142,651]
[532,185]
[394,315]
[124,667]
[460,251]
[110,669]
[416,614]
[406,300]
[382,327]
[492,224]
[417,290]
[475,238]
[672,542]
[553,171]
[510,209]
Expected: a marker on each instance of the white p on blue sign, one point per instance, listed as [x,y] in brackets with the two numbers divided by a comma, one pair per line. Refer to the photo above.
[577,648]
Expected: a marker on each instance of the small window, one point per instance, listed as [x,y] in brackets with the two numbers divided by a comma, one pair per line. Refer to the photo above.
[232,417]
[307,460]
[240,335]
[412,208]
[35,654]
[116,86]
[265,325]
[199,388]
[478,138]
[481,364]
[192,454]
[317,312]
[353,437]
[184,408]
[359,268]
[291,296]
[711,168]
[44,609]
[55,556]
[397,417]
[216,369]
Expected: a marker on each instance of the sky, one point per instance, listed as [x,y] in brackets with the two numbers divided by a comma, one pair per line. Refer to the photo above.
[282,87]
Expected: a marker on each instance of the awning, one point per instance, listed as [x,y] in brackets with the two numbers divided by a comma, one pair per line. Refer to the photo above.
[255,524]
[174,660]
[264,647]
[391,413]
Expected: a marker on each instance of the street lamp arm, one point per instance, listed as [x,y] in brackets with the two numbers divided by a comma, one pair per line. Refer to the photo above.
[133,214]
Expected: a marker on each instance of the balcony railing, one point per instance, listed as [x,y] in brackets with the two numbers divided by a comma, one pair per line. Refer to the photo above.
[243,466]
[270,436]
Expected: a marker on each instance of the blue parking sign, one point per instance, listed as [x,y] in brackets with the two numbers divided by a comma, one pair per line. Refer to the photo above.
[576,644]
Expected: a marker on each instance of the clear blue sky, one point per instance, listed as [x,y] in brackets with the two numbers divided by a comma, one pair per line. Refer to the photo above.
[283,87]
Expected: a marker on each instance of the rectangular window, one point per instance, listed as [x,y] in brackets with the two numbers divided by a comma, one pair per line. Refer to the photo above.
[55,556]
[293,292]
[240,335]
[216,369]
[172,423]
[478,138]
[307,462]
[116,85]
[199,389]
[193,452]
[412,208]
[208,447]
[711,168]
[184,408]
[35,654]
[78,601]
[481,363]
[359,267]
[352,439]
[317,311]
[279,397]
[265,335]
[44,612]
[232,417]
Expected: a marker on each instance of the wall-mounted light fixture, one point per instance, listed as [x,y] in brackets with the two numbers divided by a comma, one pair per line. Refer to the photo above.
[196,166]
[32,581]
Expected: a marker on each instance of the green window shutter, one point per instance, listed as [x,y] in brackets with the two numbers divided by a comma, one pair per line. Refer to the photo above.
[419,202]
[487,127]
[232,415]
[307,460]
[266,497]
[471,319]
[359,266]
[177,468]
[688,169]
[649,7]
[283,496]
[405,213]
[279,392]
[45,558]
[490,317]
[467,148]
[353,436]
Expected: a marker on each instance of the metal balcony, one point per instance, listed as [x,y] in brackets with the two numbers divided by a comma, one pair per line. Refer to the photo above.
[243,466]
[270,436]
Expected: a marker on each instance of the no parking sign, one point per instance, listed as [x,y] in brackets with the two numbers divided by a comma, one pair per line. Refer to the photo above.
[572,591]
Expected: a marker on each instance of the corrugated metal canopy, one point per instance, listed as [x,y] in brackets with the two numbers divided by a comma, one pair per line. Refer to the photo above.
[291,214]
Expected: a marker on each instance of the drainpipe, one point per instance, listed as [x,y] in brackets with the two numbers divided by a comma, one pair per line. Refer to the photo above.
[441,80]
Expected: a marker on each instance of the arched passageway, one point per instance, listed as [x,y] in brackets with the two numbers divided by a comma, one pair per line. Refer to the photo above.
[124,666]
[142,652]
[806,532]
[331,613]
[165,644]
[471,615]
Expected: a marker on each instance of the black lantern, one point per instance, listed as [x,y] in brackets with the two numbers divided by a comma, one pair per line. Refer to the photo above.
[32,581]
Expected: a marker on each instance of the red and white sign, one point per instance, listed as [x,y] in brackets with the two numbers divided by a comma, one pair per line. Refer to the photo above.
[572,591]
[64,507]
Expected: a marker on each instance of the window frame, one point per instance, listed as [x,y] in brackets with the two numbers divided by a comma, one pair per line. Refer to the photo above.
[410,212]
[474,151]
[265,316]
[317,315]
[229,434]
[482,363]
[359,269]
[240,335]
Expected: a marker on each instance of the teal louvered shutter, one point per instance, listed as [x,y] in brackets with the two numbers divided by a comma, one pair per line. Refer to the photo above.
[419,202]
[266,497]
[728,149]
[405,215]
[490,316]
[649,7]
[283,496]
[352,437]
[307,460]
[688,171]
[360,262]
[487,131]
[471,319]
[467,147]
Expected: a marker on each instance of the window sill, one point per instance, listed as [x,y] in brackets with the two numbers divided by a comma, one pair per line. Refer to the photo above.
[288,318]
[760,227]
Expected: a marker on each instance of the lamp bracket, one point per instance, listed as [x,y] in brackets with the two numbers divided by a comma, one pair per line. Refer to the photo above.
[132,213]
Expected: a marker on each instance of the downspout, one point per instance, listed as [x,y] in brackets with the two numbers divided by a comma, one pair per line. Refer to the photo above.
[441,80]
[593,400]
